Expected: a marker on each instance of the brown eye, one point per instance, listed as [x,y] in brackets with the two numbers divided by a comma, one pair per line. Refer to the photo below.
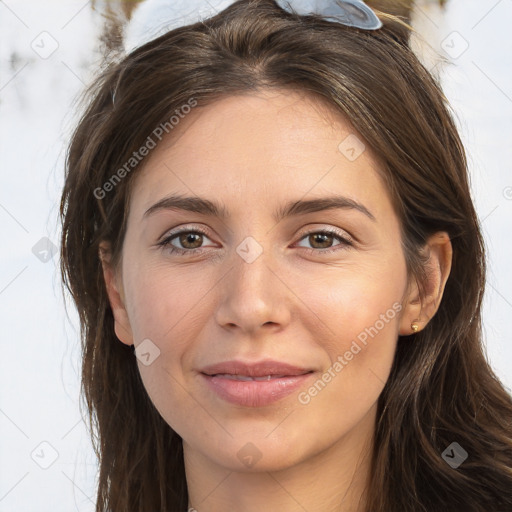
[324,240]
[190,240]
[187,241]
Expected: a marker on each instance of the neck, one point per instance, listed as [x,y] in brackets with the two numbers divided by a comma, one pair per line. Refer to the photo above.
[333,480]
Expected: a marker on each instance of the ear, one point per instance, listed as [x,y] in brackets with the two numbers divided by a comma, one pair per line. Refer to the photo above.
[115,296]
[419,310]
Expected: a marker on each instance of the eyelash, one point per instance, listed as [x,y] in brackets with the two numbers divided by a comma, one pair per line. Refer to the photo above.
[345,242]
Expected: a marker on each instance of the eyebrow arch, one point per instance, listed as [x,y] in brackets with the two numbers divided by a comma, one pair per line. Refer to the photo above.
[212,208]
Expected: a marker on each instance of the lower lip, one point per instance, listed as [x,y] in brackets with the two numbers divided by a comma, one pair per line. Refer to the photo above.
[255,393]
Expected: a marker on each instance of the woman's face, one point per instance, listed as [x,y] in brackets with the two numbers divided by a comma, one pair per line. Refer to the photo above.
[273,283]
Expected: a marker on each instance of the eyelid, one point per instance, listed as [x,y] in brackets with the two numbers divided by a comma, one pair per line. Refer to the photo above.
[332,230]
[169,236]
[183,229]
[346,241]
[307,231]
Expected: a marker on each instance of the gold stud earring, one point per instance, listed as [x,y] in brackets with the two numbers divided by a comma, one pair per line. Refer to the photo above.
[414,327]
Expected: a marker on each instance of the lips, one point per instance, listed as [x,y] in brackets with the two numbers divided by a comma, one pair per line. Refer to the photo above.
[254,385]
[246,377]
[256,370]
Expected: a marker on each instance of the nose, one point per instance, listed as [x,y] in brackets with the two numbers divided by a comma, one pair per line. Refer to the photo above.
[253,296]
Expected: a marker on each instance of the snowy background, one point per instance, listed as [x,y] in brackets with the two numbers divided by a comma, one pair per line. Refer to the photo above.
[48,51]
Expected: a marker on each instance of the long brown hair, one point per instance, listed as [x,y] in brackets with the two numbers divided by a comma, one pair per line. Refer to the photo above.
[441,389]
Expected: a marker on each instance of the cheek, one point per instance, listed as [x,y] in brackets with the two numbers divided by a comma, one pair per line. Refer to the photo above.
[157,310]
[164,304]
[350,301]
[167,307]
[361,311]
[161,325]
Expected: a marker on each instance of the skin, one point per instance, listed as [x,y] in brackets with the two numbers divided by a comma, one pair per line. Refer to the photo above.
[254,153]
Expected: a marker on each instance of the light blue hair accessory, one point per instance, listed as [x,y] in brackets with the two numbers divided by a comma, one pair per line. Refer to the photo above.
[352,13]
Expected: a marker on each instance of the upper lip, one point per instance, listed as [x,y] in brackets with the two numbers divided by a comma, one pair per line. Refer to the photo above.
[255,369]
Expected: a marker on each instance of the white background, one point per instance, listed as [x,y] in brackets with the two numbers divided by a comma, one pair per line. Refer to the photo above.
[39,357]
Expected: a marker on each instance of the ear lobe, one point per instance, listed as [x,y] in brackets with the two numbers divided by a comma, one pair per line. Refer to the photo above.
[419,310]
[122,326]
[411,309]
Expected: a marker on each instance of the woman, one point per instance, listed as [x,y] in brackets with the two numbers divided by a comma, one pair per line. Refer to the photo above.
[269,236]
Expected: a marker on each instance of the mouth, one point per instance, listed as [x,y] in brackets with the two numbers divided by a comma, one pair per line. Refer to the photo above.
[247,378]
[257,370]
[254,384]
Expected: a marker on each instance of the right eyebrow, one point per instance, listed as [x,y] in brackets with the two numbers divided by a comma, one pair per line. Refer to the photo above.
[191,204]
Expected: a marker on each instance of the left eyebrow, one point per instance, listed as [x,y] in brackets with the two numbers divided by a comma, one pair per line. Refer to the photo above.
[212,208]
[320,204]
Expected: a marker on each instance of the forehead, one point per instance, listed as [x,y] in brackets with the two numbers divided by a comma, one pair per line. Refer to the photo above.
[270,144]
